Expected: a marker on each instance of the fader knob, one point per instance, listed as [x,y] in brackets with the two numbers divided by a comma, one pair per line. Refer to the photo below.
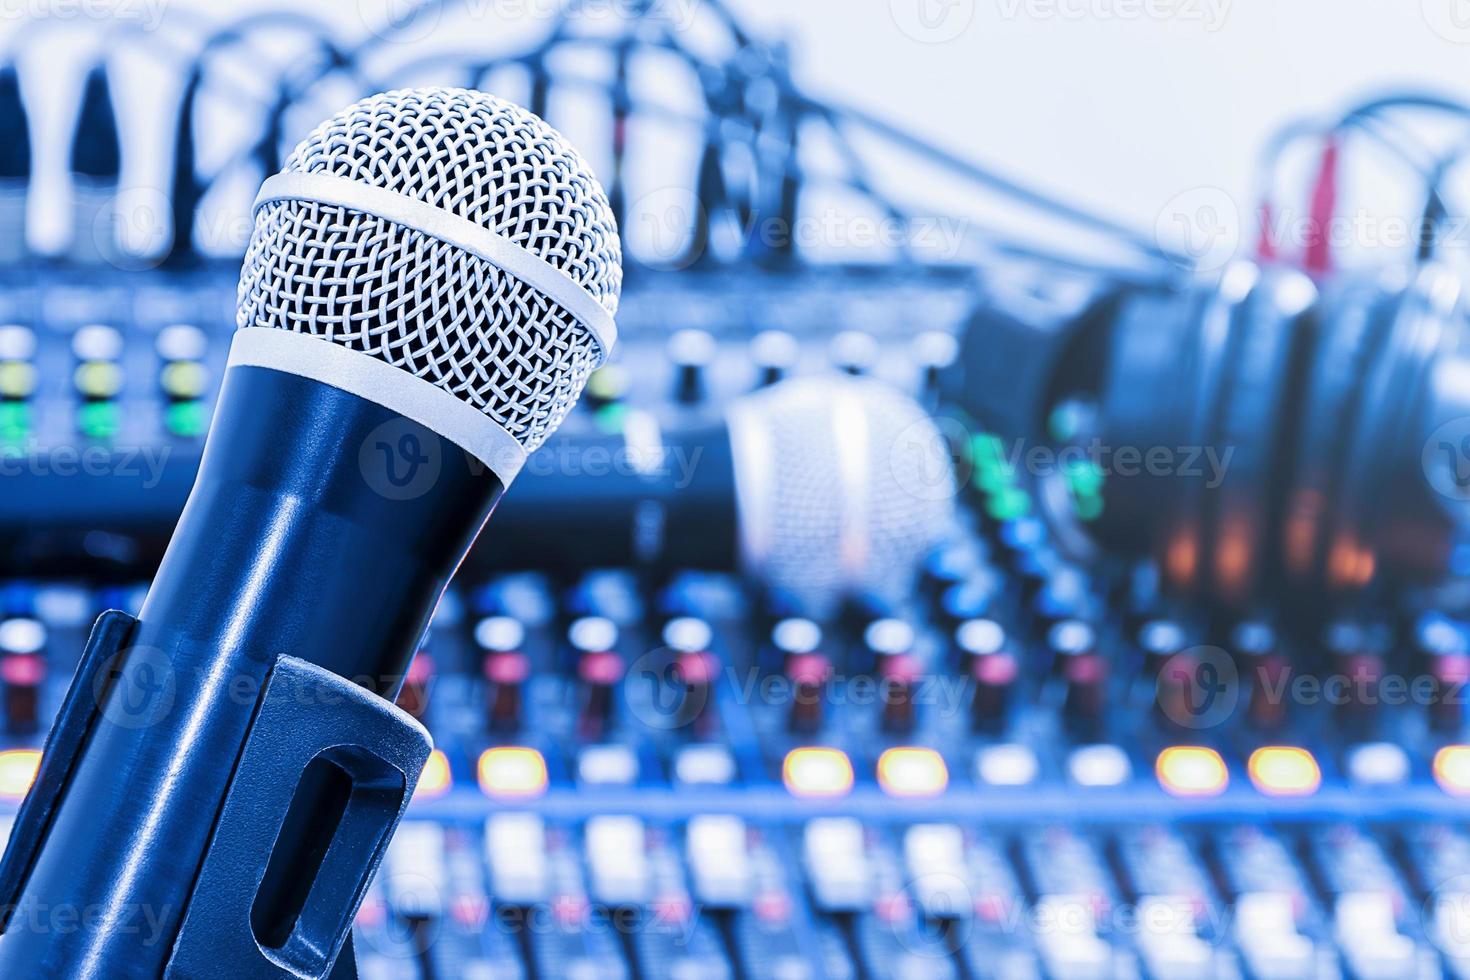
[506,669]
[691,352]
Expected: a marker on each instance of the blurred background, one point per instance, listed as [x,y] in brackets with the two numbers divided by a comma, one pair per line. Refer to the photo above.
[1031,485]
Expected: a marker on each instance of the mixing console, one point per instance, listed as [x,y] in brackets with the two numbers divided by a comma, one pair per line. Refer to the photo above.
[1024,768]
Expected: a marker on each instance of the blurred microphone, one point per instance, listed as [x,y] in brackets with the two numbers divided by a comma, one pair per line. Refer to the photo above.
[819,488]
[430,281]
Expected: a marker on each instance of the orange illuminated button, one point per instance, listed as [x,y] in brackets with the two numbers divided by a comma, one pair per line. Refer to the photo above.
[815,772]
[1191,770]
[434,781]
[512,771]
[911,771]
[1284,770]
[1452,769]
[17,772]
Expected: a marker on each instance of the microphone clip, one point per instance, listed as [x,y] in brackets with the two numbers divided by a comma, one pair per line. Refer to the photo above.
[307,718]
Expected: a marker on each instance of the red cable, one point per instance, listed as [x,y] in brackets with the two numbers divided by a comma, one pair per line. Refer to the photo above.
[1317,256]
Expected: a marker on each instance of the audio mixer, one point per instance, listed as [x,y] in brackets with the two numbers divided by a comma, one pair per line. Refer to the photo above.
[816,643]
[659,771]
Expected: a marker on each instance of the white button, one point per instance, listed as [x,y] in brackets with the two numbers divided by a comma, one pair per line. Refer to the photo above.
[837,862]
[1007,765]
[688,635]
[934,855]
[17,342]
[1378,764]
[1099,765]
[22,635]
[593,633]
[796,636]
[97,342]
[705,765]
[415,878]
[607,765]
[617,860]
[500,634]
[515,849]
[181,342]
[719,863]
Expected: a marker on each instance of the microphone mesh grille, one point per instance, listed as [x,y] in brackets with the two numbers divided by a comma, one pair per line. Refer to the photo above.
[860,488]
[423,305]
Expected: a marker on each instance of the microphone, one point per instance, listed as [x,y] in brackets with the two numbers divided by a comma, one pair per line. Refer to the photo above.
[820,488]
[430,281]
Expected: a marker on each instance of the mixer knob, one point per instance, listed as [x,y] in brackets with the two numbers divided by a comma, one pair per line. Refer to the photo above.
[947,565]
[691,352]
[506,669]
[1065,593]
[22,670]
[901,675]
[1446,651]
[599,669]
[793,637]
[695,670]
[973,598]
[982,647]
[935,351]
[1160,640]
[1255,647]
[885,638]
[853,351]
[1358,662]
[1073,644]
[808,674]
[775,353]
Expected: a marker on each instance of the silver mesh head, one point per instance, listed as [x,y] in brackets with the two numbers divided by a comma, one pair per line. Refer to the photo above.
[844,484]
[425,305]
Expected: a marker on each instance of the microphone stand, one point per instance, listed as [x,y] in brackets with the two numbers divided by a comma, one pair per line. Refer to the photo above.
[305,714]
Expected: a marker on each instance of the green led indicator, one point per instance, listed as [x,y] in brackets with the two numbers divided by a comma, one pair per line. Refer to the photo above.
[186,419]
[1085,477]
[1009,504]
[15,421]
[986,451]
[992,481]
[1088,507]
[98,420]
[609,418]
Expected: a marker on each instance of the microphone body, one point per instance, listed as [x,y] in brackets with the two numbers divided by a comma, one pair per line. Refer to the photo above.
[286,546]
[416,315]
